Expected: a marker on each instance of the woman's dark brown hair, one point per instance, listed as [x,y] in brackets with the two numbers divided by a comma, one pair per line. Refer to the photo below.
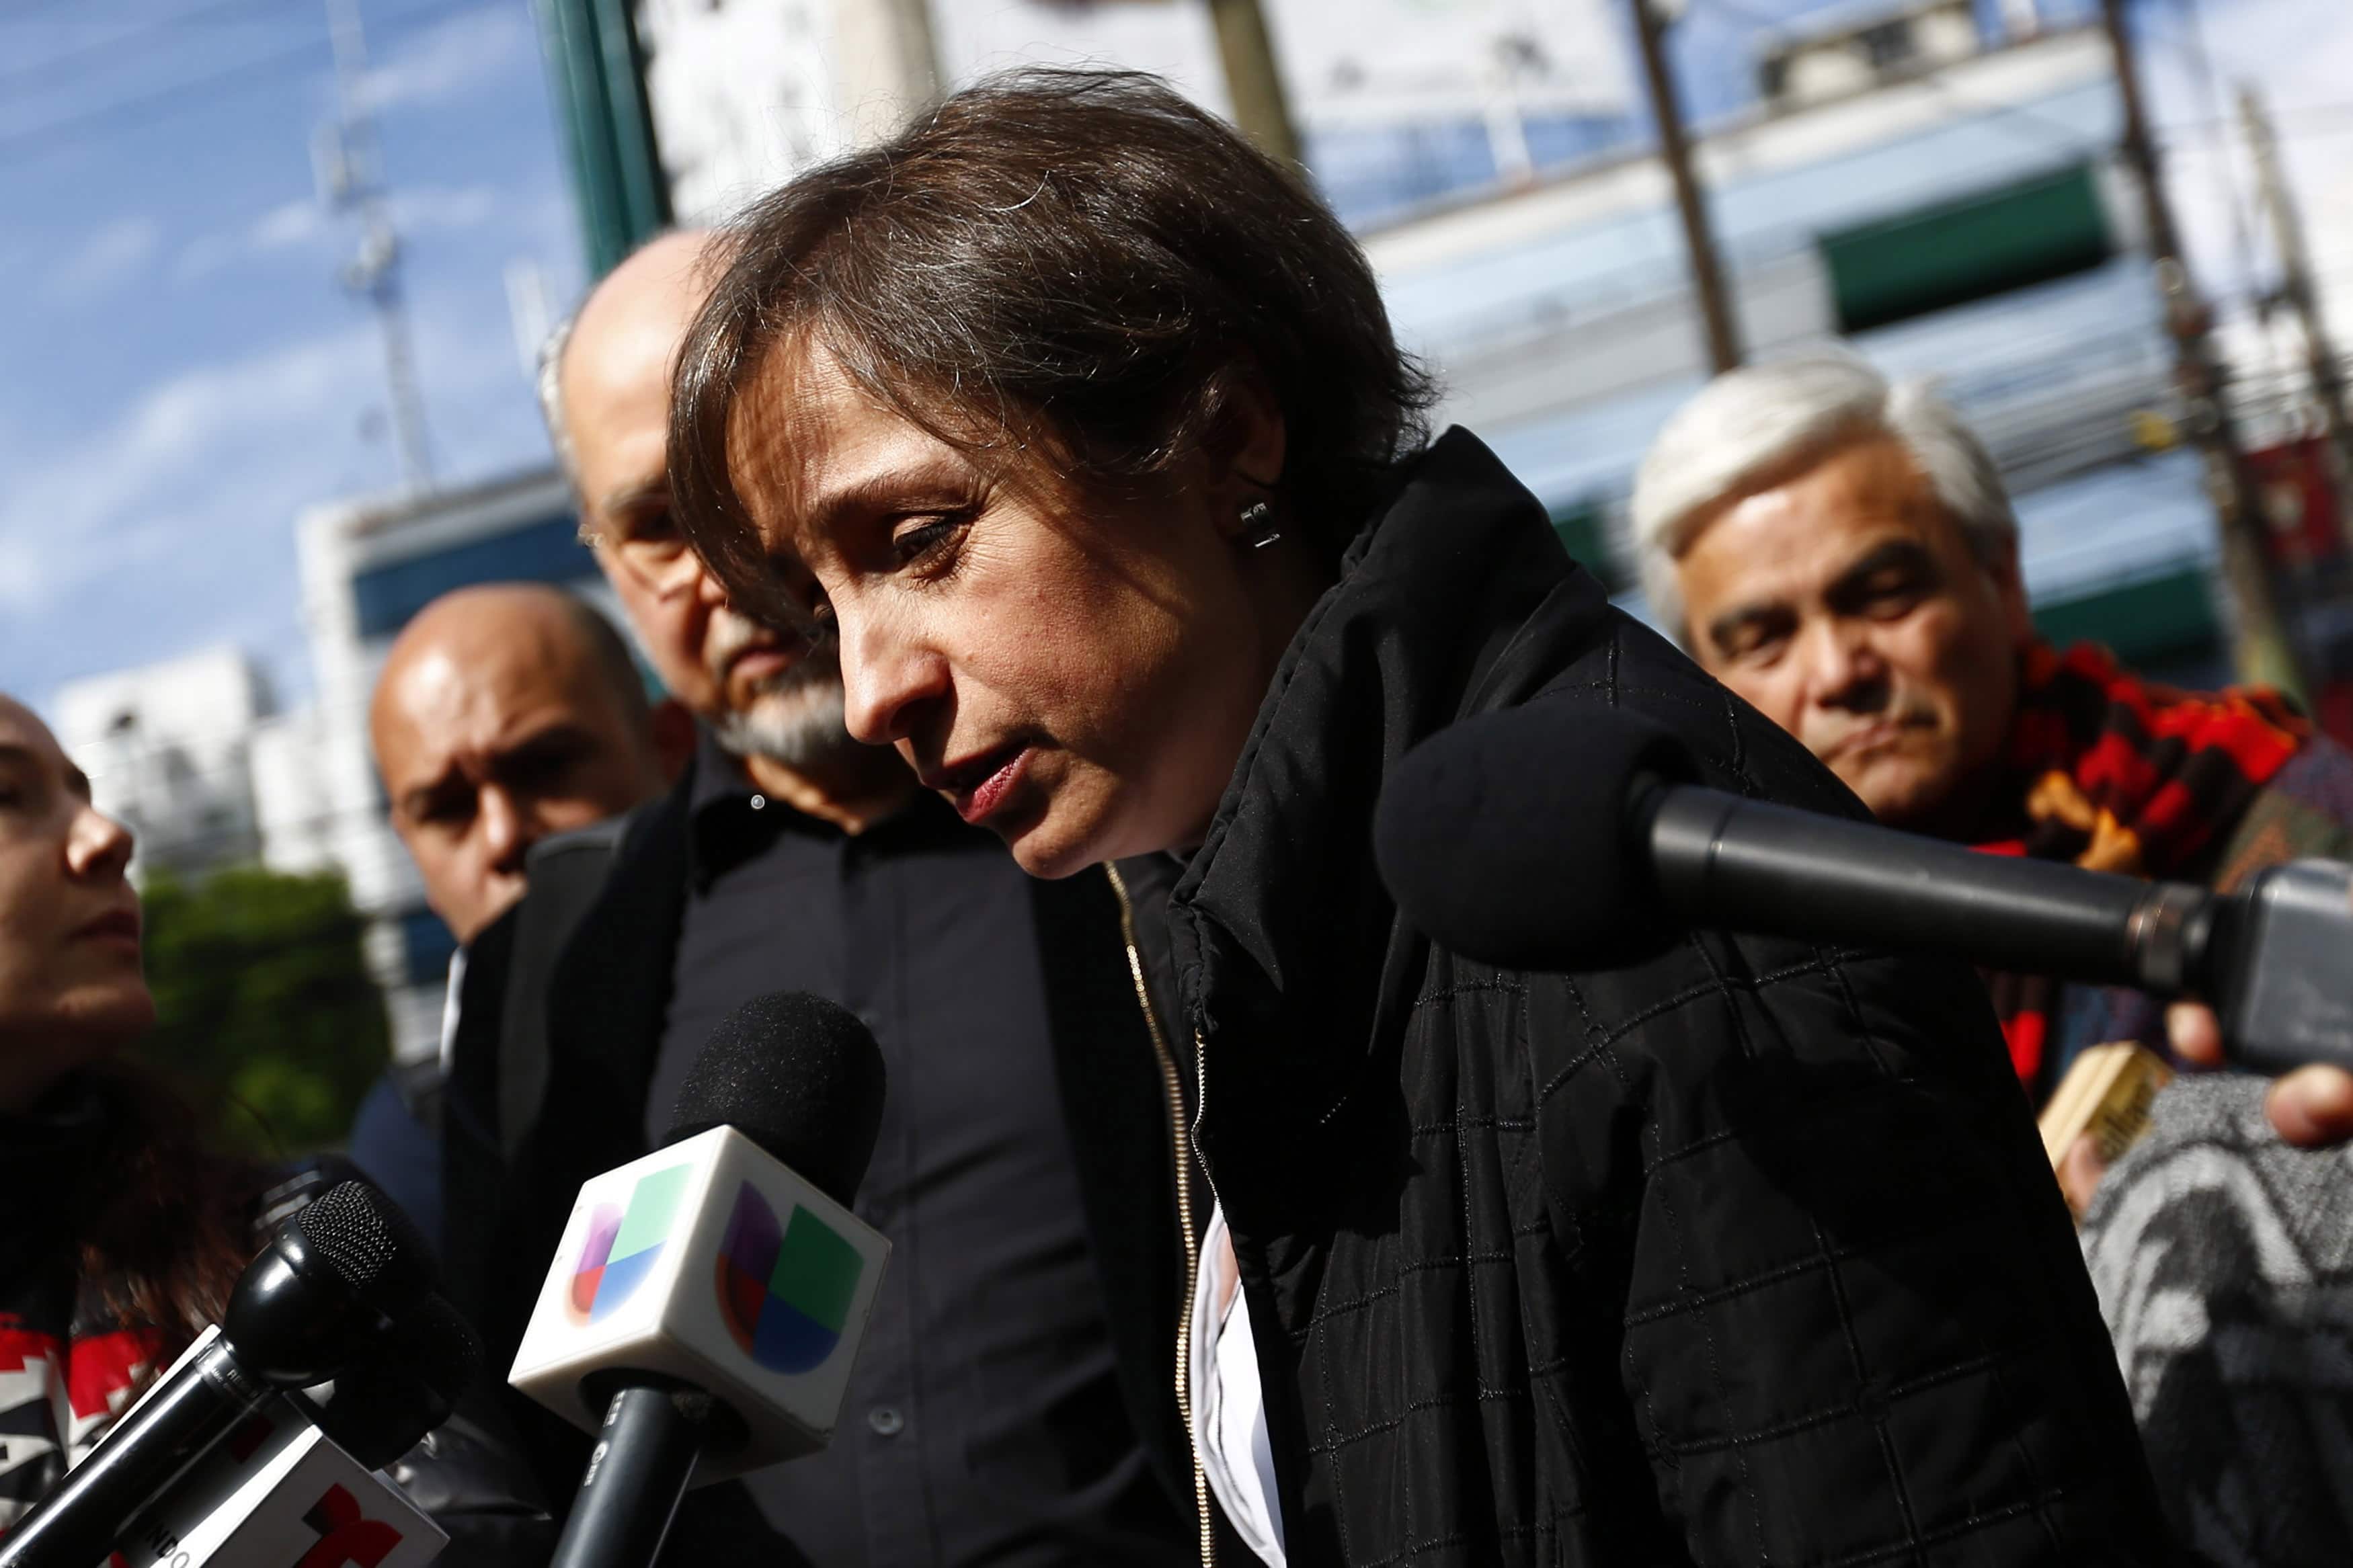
[1080,261]
[164,1225]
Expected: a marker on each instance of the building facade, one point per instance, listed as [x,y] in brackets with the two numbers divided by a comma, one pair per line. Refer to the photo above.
[168,749]
[1932,182]
[1960,217]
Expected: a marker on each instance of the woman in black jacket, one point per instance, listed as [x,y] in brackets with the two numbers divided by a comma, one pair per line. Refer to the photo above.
[120,1235]
[1081,426]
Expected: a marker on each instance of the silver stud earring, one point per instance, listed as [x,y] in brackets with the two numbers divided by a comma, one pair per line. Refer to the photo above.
[1258,530]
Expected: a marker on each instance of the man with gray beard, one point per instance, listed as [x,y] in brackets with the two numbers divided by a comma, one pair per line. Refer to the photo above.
[1013,1400]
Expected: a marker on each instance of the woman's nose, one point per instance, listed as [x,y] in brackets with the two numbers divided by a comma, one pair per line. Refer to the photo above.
[98,845]
[887,678]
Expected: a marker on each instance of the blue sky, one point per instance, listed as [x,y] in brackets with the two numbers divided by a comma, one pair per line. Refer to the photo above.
[188,373]
[186,377]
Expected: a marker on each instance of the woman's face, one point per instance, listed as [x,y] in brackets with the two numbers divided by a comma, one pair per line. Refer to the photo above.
[1079,677]
[71,985]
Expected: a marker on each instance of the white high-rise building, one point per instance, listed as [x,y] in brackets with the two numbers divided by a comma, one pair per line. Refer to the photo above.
[167,747]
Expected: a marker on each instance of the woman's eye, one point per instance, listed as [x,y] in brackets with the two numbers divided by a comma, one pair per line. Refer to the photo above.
[919,539]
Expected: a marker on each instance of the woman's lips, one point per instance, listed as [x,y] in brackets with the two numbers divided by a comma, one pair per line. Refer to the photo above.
[978,788]
[122,926]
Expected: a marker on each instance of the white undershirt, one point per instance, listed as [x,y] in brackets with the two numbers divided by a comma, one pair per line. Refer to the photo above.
[449,1010]
[1228,1409]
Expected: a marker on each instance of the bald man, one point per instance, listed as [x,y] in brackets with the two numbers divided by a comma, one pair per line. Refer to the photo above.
[505,713]
[771,704]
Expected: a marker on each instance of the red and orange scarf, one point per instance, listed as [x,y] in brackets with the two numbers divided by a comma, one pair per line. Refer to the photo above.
[2124,776]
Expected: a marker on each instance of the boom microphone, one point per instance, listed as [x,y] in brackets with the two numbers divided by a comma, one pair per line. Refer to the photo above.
[707,1301]
[1532,839]
[313,1301]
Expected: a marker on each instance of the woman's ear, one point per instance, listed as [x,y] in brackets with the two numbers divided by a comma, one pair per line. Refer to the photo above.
[1248,450]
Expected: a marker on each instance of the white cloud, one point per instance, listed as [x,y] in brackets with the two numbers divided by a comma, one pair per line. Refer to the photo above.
[93,510]
[112,255]
[449,59]
[307,227]
[207,467]
[2298,55]
[426,209]
[289,224]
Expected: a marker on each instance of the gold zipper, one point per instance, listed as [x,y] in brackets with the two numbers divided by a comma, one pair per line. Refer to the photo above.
[1172,1091]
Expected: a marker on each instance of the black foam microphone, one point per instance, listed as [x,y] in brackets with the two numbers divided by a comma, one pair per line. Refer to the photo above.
[402,1387]
[706,1302]
[797,1074]
[1543,839]
[319,1295]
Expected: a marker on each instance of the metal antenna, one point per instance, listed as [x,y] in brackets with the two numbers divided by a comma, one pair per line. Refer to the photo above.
[351,180]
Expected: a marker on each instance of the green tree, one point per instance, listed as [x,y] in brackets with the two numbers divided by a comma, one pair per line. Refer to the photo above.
[266,1011]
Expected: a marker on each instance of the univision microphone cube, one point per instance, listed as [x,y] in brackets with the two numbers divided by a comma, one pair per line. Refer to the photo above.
[711,1262]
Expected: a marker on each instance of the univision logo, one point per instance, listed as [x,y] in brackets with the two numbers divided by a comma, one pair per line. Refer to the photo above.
[623,1243]
[784,1289]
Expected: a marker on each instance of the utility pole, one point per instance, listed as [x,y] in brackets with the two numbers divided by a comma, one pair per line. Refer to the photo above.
[1690,202]
[918,50]
[2264,652]
[2296,292]
[1254,79]
[351,179]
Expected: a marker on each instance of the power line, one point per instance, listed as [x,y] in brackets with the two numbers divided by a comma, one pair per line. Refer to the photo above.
[140,110]
[2312,120]
[109,49]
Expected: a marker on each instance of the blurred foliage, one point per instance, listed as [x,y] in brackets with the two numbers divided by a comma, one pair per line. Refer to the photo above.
[266,1012]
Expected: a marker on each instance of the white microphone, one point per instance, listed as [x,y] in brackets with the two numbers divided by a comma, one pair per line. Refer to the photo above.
[707,1301]
[277,1492]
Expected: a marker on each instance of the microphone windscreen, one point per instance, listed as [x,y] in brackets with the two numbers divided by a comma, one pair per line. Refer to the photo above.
[408,1384]
[371,1246]
[435,1346]
[1506,837]
[797,1074]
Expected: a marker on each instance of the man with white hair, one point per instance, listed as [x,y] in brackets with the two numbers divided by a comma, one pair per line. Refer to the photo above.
[1839,551]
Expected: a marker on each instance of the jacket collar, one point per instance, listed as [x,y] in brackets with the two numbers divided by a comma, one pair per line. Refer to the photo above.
[1455,598]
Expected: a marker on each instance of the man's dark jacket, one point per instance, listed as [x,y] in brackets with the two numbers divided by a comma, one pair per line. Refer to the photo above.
[1737,1251]
[552,1089]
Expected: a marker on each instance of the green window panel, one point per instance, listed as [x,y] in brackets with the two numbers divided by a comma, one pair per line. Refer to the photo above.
[2146,621]
[1936,258]
[597,74]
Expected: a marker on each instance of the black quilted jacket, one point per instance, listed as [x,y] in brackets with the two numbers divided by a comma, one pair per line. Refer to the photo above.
[1742,1252]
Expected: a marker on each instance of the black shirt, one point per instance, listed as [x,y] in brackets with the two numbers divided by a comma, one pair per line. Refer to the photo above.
[984,1421]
